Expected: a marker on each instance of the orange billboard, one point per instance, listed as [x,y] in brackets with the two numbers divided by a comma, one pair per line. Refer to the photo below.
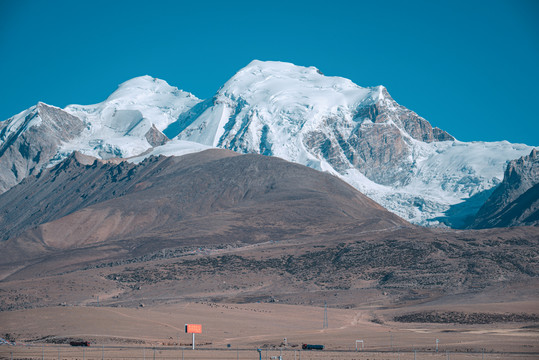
[193,328]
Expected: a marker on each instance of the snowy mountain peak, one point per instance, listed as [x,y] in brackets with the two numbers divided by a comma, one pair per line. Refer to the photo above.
[29,118]
[277,67]
[291,111]
[41,104]
[30,139]
[21,121]
[147,88]
[261,78]
[131,120]
[381,93]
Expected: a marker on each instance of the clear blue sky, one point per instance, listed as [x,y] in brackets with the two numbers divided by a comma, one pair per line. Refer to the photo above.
[469,67]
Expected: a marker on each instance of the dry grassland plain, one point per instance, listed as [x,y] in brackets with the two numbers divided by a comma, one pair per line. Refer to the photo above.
[236,331]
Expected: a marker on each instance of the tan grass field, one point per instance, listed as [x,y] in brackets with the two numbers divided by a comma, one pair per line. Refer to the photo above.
[235,331]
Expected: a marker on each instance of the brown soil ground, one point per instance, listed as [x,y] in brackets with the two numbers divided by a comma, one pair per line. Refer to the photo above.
[130,300]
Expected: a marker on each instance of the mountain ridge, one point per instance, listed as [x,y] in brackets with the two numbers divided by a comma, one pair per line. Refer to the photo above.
[362,135]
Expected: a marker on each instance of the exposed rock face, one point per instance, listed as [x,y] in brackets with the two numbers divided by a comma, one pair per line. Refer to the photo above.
[378,147]
[516,200]
[27,145]
[156,137]
[385,109]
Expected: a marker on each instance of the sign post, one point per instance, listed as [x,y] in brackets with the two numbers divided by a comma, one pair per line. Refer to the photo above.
[193,329]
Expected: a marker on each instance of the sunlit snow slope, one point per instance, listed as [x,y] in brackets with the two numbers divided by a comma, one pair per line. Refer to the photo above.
[131,120]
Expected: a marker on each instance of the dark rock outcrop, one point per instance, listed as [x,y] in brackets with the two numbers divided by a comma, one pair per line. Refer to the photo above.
[515,201]
[156,137]
[29,145]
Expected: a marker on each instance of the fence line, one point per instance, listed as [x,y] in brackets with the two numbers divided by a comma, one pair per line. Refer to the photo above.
[52,352]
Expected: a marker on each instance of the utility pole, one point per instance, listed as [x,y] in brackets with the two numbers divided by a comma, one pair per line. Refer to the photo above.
[325,326]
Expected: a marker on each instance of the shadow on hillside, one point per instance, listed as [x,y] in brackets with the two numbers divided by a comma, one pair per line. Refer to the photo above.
[462,215]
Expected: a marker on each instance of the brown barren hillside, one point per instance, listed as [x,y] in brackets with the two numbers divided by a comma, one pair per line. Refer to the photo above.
[213,197]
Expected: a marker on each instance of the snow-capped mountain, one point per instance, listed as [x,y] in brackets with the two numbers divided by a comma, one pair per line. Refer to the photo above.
[29,140]
[328,123]
[129,122]
[359,134]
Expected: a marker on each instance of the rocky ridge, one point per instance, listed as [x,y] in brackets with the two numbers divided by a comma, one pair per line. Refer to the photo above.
[515,202]
[29,141]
